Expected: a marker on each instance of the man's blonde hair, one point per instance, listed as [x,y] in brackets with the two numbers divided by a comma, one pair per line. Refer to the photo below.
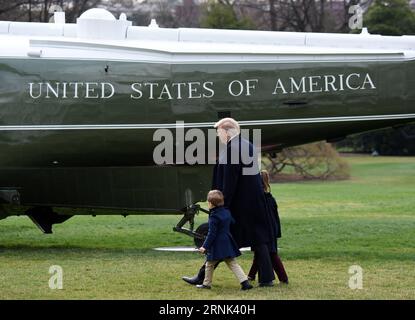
[230,125]
[216,198]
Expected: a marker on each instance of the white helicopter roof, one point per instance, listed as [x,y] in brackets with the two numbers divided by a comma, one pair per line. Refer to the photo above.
[99,34]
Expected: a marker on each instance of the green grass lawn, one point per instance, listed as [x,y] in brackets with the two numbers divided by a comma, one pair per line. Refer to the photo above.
[368,221]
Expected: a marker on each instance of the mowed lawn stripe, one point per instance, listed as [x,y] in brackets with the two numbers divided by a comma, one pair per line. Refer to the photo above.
[328,227]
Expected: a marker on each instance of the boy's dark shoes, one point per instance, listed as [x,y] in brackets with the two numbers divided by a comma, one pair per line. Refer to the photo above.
[246,285]
[202,286]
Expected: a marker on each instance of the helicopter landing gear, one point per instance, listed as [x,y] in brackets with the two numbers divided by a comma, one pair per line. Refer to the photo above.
[189,215]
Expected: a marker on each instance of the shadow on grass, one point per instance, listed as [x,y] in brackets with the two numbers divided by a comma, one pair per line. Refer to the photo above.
[360,255]
[27,251]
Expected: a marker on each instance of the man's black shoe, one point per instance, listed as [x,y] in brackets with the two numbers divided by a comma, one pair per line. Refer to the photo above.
[266,284]
[246,285]
[193,281]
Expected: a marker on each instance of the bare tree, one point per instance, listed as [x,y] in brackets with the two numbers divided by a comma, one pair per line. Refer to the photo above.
[311,161]
[187,14]
[74,8]
[40,10]
[164,14]
[299,15]
[6,7]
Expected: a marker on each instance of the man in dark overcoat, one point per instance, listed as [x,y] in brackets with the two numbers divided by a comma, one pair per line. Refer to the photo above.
[240,182]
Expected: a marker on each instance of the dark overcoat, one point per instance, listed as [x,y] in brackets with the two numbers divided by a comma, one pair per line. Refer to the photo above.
[219,242]
[272,209]
[244,194]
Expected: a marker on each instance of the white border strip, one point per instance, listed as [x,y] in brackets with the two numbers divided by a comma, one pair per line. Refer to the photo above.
[242,61]
[202,124]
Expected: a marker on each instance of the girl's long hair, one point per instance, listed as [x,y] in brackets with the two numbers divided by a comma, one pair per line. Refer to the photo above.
[265,180]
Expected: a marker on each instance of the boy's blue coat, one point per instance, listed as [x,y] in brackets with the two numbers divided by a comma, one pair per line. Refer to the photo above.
[219,242]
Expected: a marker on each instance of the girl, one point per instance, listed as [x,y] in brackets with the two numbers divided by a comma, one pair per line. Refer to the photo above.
[272,208]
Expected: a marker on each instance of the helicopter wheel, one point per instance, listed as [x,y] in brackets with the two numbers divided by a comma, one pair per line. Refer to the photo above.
[203,230]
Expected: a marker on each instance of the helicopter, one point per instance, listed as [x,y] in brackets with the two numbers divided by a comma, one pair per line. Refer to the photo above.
[80,105]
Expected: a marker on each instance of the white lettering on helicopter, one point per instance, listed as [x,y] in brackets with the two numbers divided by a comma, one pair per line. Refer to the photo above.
[201,90]
[177,90]
[326,83]
[75,90]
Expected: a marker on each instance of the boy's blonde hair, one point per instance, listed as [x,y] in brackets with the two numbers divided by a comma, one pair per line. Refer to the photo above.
[216,198]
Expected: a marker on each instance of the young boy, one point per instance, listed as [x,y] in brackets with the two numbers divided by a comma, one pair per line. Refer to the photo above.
[219,243]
